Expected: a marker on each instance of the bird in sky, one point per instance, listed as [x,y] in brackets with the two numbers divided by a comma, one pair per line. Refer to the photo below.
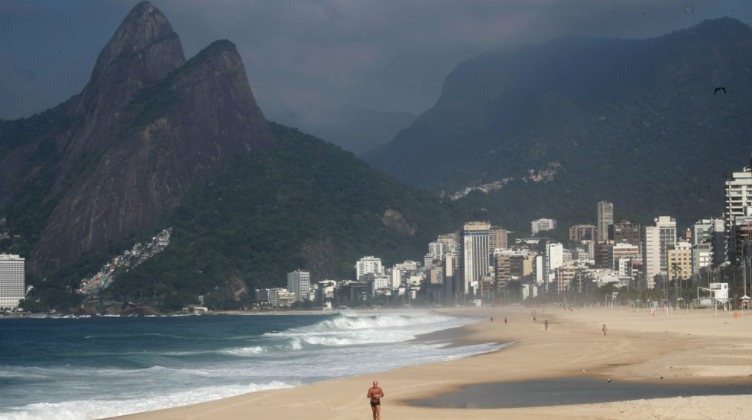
[719,89]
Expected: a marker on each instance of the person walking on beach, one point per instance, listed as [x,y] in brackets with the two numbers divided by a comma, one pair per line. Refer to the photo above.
[505,320]
[604,330]
[546,324]
[375,393]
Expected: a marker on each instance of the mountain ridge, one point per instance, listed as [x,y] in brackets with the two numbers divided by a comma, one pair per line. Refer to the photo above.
[147,128]
[591,105]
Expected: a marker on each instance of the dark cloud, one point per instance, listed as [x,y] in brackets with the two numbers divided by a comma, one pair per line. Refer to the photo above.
[308,58]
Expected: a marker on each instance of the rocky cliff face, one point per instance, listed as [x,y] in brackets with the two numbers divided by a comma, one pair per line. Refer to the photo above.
[146,129]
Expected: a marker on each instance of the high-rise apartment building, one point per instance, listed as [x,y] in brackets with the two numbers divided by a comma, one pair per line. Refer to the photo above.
[603,255]
[621,250]
[627,232]
[502,269]
[605,220]
[402,271]
[741,236]
[452,240]
[713,233]
[497,238]
[368,265]
[436,252]
[582,233]
[656,242]
[738,199]
[452,275]
[702,257]
[475,255]
[679,262]
[651,255]
[12,281]
[438,249]
[299,282]
[554,258]
[541,225]
[667,228]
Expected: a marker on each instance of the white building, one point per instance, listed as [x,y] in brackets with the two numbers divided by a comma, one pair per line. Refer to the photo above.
[651,258]
[285,297]
[451,240]
[299,283]
[400,272]
[554,259]
[541,225]
[377,282]
[368,265]
[529,291]
[539,268]
[605,219]
[667,227]
[277,296]
[475,253]
[12,281]
[738,198]
[438,249]
[620,250]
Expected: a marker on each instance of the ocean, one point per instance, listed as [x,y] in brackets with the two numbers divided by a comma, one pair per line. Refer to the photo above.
[75,369]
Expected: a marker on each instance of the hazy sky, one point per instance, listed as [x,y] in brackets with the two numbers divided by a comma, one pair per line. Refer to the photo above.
[307,58]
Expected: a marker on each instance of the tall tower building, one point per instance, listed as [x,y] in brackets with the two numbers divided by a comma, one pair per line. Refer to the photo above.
[12,281]
[452,276]
[738,199]
[656,243]
[475,255]
[554,259]
[299,282]
[605,219]
[712,233]
[651,255]
[667,231]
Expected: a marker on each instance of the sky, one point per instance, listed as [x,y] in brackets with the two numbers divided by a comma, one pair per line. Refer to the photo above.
[306,59]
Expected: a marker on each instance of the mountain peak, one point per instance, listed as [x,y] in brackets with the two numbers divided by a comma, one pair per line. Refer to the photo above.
[143,50]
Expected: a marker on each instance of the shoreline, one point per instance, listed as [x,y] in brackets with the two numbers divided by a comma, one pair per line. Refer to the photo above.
[226,313]
[638,349]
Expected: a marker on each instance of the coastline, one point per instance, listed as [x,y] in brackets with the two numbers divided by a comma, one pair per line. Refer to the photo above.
[683,348]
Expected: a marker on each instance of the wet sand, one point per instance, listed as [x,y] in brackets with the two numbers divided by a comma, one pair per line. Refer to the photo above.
[682,348]
[568,391]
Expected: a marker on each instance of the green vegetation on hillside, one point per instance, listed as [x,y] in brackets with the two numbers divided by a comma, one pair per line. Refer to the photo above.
[305,204]
[635,122]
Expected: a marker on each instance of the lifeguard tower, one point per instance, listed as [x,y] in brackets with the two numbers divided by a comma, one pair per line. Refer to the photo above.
[716,295]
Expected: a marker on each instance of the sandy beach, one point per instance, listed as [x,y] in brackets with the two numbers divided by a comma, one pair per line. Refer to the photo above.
[696,347]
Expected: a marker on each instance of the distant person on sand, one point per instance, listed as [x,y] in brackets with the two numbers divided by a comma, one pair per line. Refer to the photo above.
[546,324]
[534,320]
[375,393]
[505,320]
[604,329]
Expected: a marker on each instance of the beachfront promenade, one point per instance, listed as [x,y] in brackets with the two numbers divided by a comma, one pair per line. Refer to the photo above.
[696,347]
